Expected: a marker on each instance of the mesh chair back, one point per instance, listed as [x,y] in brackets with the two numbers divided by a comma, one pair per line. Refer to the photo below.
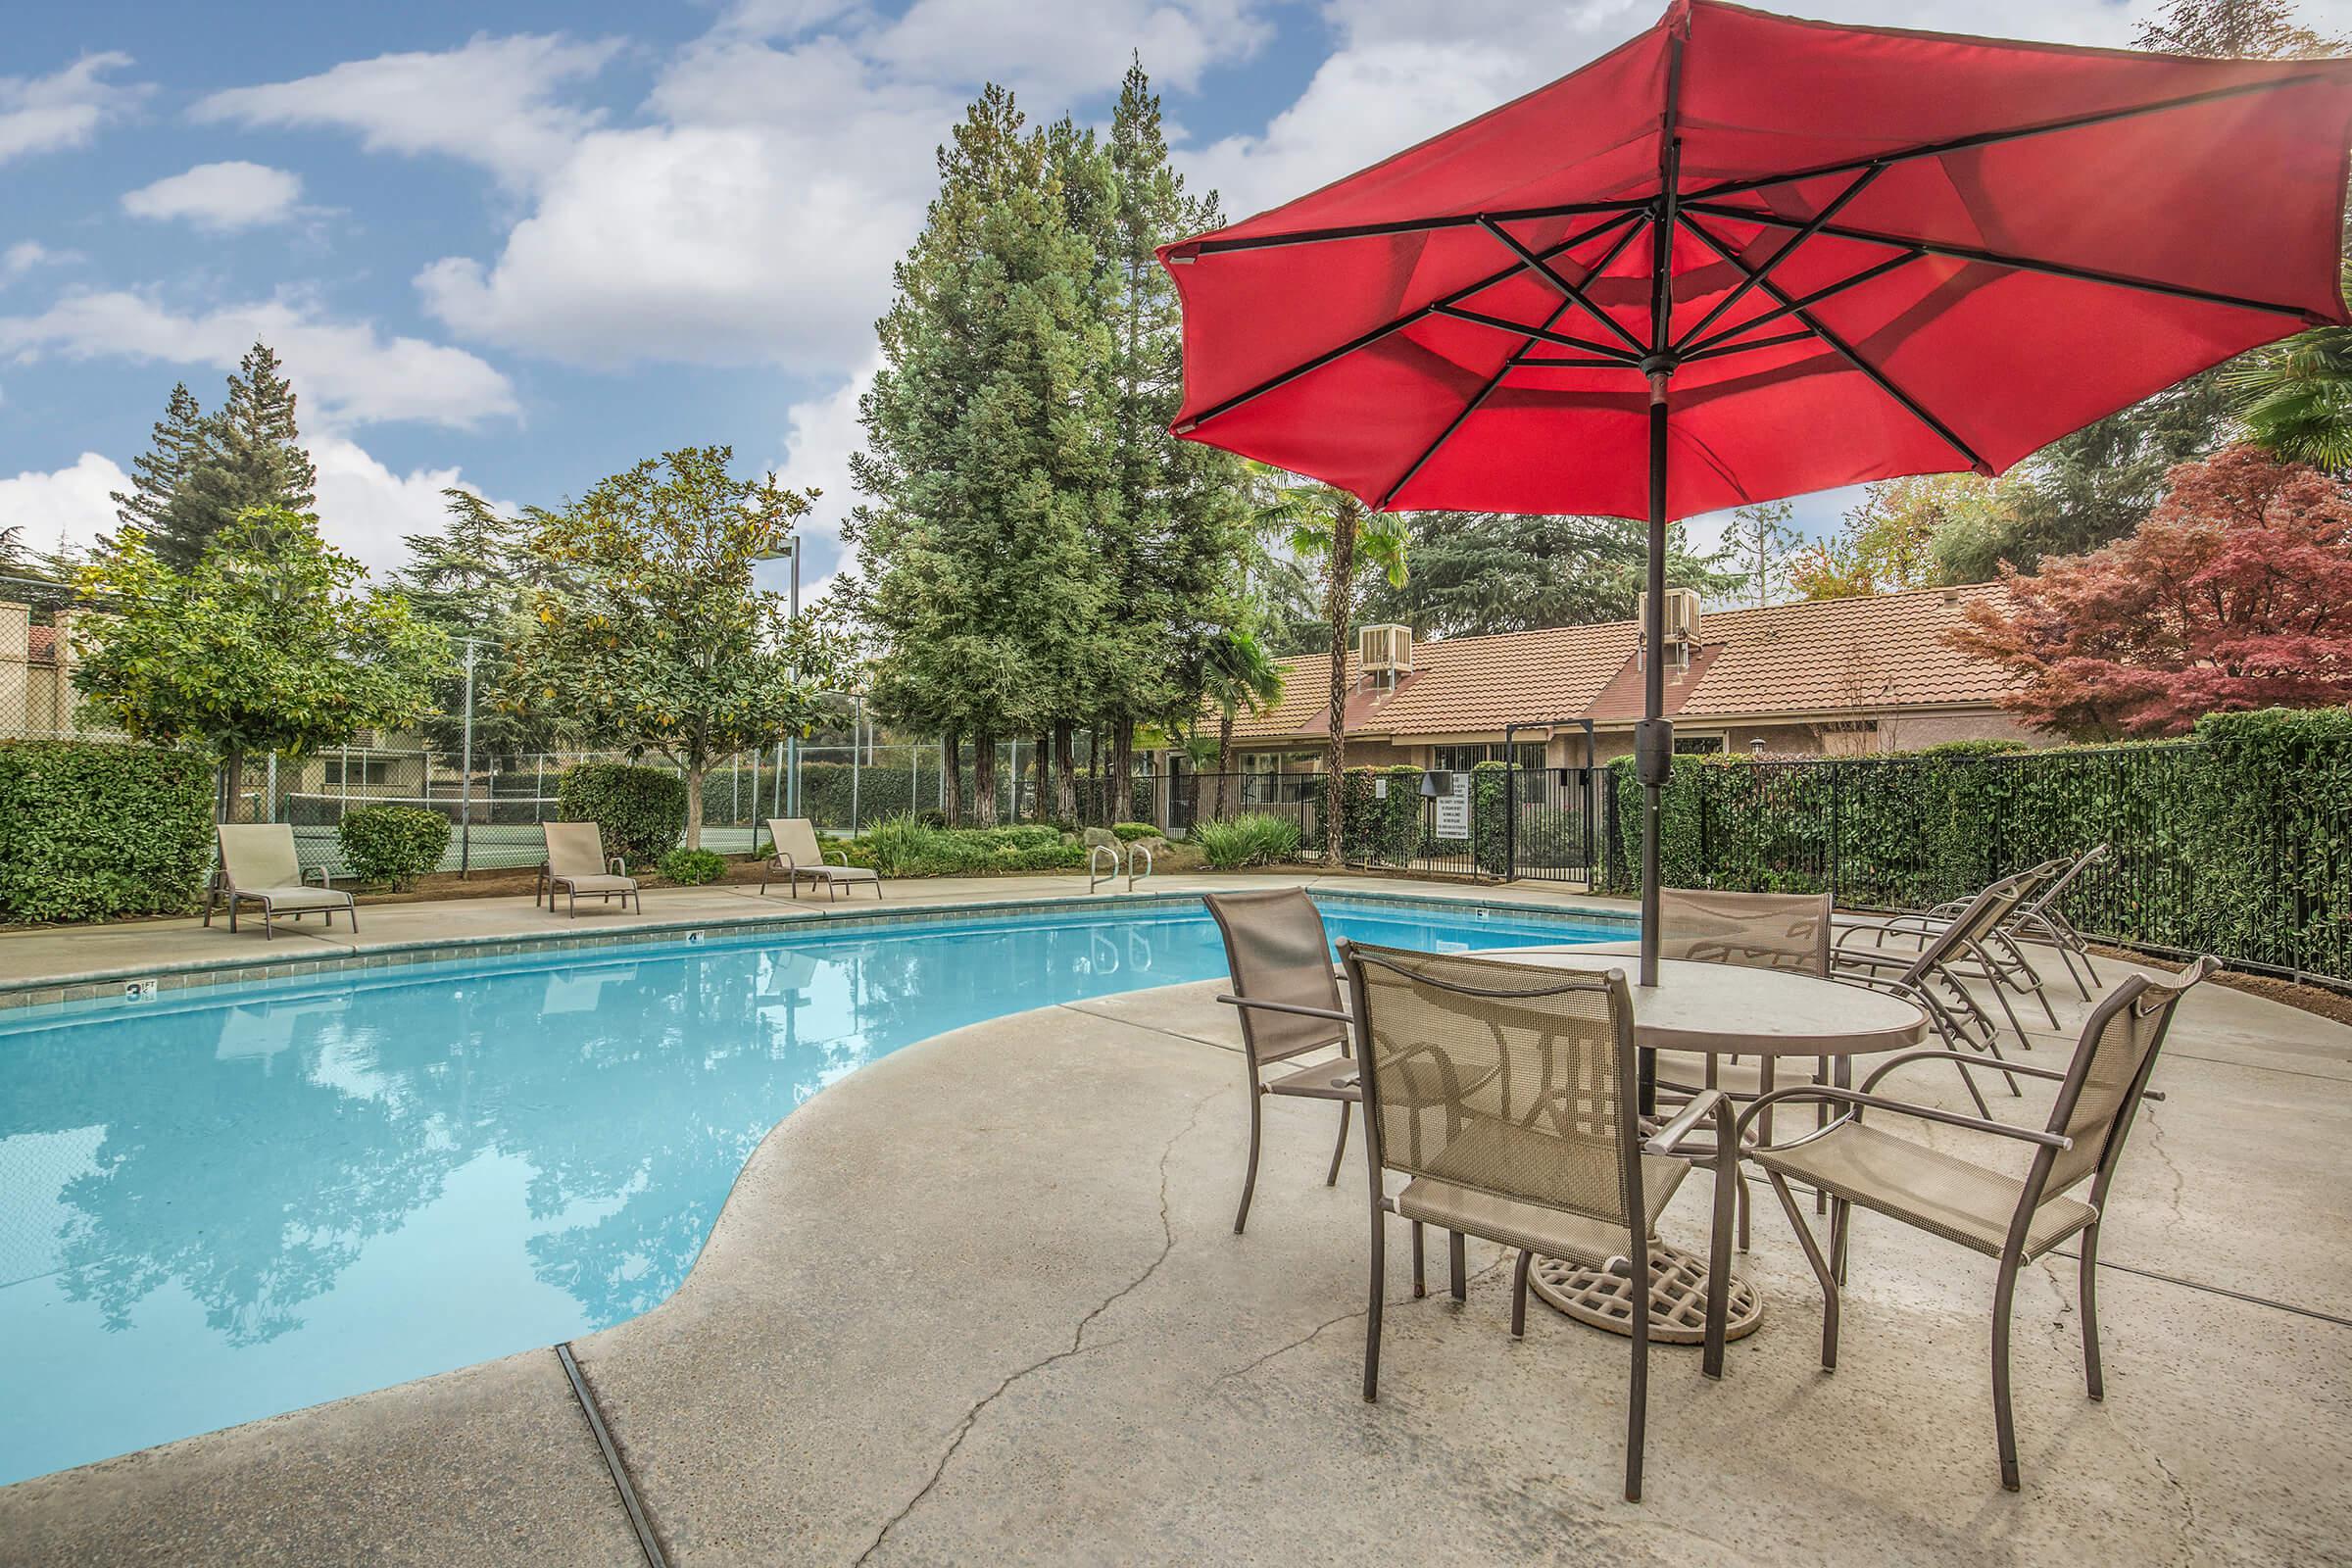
[1508,1078]
[1987,910]
[575,849]
[796,836]
[1276,947]
[259,854]
[2049,894]
[2111,1066]
[1759,930]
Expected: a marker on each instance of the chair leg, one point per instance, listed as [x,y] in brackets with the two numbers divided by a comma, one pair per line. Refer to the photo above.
[1519,1294]
[1842,1228]
[2004,1423]
[1719,1259]
[1637,1393]
[1332,1177]
[1372,1309]
[1241,1216]
[2087,1288]
[1821,1272]
[1420,1284]
[2033,977]
[1457,1266]
[1739,1197]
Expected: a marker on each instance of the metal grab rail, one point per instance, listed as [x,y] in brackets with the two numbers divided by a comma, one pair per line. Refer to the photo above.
[1095,878]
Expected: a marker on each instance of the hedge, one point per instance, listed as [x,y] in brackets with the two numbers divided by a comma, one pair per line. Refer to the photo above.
[907,845]
[93,830]
[395,844]
[2237,842]
[1377,829]
[641,810]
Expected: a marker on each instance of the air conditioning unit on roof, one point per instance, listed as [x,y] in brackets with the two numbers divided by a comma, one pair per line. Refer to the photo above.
[1385,652]
[1680,616]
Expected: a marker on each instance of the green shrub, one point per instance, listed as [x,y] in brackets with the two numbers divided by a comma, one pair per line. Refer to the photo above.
[93,830]
[907,845]
[1254,839]
[1131,831]
[1377,828]
[395,844]
[693,867]
[641,810]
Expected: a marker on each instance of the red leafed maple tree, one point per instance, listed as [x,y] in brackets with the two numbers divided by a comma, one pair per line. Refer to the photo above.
[2235,593]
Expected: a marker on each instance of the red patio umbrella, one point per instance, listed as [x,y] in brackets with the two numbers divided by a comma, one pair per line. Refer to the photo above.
[1743,256]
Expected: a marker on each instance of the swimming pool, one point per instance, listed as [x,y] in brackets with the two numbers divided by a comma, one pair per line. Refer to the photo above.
[260,1196]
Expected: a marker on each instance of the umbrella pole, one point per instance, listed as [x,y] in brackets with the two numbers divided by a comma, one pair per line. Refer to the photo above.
[1653,743]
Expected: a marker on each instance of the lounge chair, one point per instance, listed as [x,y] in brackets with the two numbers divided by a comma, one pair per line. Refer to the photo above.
[1535,1144]
[1288,997]
[576,862]
[258,866]
[1999,959]
[798,859]
[2039,919]
[1984,1209]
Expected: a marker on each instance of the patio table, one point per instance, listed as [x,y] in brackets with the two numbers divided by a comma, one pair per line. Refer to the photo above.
[1715,1009]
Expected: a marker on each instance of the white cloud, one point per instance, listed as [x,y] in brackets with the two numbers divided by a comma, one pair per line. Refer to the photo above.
[65,109]
[28,256]
[1064,47]
[220,196]
[490,103]
[346,372]
[65,507]
[365,509]
[820,434]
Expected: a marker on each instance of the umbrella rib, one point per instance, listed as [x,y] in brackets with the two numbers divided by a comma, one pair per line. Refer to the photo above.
[2022,264]
[1543,333]
[1820,220]
[1845,351]
[1702,352]
[1714,347]
[1366,340]
[1467,410]
[1536,264]
[1404,225]
[1987,138]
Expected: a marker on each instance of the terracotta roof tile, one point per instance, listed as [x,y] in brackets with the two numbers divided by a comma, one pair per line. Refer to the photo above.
[1825,657]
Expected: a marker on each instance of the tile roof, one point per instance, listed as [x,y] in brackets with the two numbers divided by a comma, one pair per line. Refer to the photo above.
[40,644]
[1826,657]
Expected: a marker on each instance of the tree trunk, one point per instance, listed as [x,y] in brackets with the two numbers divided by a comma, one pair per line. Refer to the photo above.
[1065,775]
[1121,806]
[1225,800]
[232,779]
[1337,607]
[984,779]
[1043,811]
[694,807]
[951,765]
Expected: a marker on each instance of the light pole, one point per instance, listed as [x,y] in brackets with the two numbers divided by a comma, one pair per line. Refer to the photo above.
[791,550]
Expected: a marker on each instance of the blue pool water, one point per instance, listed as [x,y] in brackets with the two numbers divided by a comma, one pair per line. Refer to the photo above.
[216,1210]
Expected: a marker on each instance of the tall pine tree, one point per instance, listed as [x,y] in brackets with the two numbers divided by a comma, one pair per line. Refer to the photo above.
[249,456]
[156,474]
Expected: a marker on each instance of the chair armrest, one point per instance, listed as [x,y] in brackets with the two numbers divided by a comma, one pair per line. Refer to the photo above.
[1289,1006]
[1828,1094]
[618,867]
[1873,958]
[1668,1139]
[324,880]
[844,857]
[1966,1060]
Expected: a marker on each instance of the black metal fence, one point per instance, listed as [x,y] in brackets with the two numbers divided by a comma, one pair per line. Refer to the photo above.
[2205,856]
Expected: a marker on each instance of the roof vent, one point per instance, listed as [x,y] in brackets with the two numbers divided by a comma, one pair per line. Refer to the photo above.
[1385,652]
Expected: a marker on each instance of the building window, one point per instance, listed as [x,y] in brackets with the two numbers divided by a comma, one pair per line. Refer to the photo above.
[1698,745]
[1462,758]
[356,772]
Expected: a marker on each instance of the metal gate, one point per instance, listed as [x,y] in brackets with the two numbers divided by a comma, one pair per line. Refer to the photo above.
[1552,823]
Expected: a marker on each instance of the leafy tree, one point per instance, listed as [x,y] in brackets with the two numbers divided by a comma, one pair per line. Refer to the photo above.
[1240,676]
[1332,528]
[471,581]
[2237,593]
[248,456]
[156,474]
[1886,544]
[646,632]
[2233,29]
[1479,572]
[262,645]
[1762,539]
[2295,396]
[979,574]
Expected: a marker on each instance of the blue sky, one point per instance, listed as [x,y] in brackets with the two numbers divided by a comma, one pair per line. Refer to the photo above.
[519,246]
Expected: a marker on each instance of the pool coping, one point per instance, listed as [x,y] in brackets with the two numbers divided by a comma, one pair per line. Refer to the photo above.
[111,986]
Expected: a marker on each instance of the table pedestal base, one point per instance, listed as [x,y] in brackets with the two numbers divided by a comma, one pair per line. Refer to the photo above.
[1678,1297]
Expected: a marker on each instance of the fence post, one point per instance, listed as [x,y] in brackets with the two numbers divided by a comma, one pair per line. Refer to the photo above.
[1836,772]
[466,785]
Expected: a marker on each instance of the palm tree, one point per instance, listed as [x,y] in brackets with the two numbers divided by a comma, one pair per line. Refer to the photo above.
[2297,397]
[1241,676]
[1317,522]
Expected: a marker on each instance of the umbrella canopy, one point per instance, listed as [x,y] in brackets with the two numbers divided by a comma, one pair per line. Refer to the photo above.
[1884,253]
[1744,257]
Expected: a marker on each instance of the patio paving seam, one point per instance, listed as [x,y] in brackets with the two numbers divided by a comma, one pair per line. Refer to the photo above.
[1080,1007]
[585,1397]
[2213,1290]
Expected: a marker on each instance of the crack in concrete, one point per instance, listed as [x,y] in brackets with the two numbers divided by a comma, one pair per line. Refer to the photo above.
[1077,1344]
[1345,1317]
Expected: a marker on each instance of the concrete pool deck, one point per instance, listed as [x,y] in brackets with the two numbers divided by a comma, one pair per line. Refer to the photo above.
[982,1302]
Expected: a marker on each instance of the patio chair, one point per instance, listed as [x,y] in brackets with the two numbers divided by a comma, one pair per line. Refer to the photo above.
[576,863]
[1982,1208]
[1536,1143]
[798,859]
[2002,962]
[1289,999]
[1934,977]
[2037,920]
[258,866]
